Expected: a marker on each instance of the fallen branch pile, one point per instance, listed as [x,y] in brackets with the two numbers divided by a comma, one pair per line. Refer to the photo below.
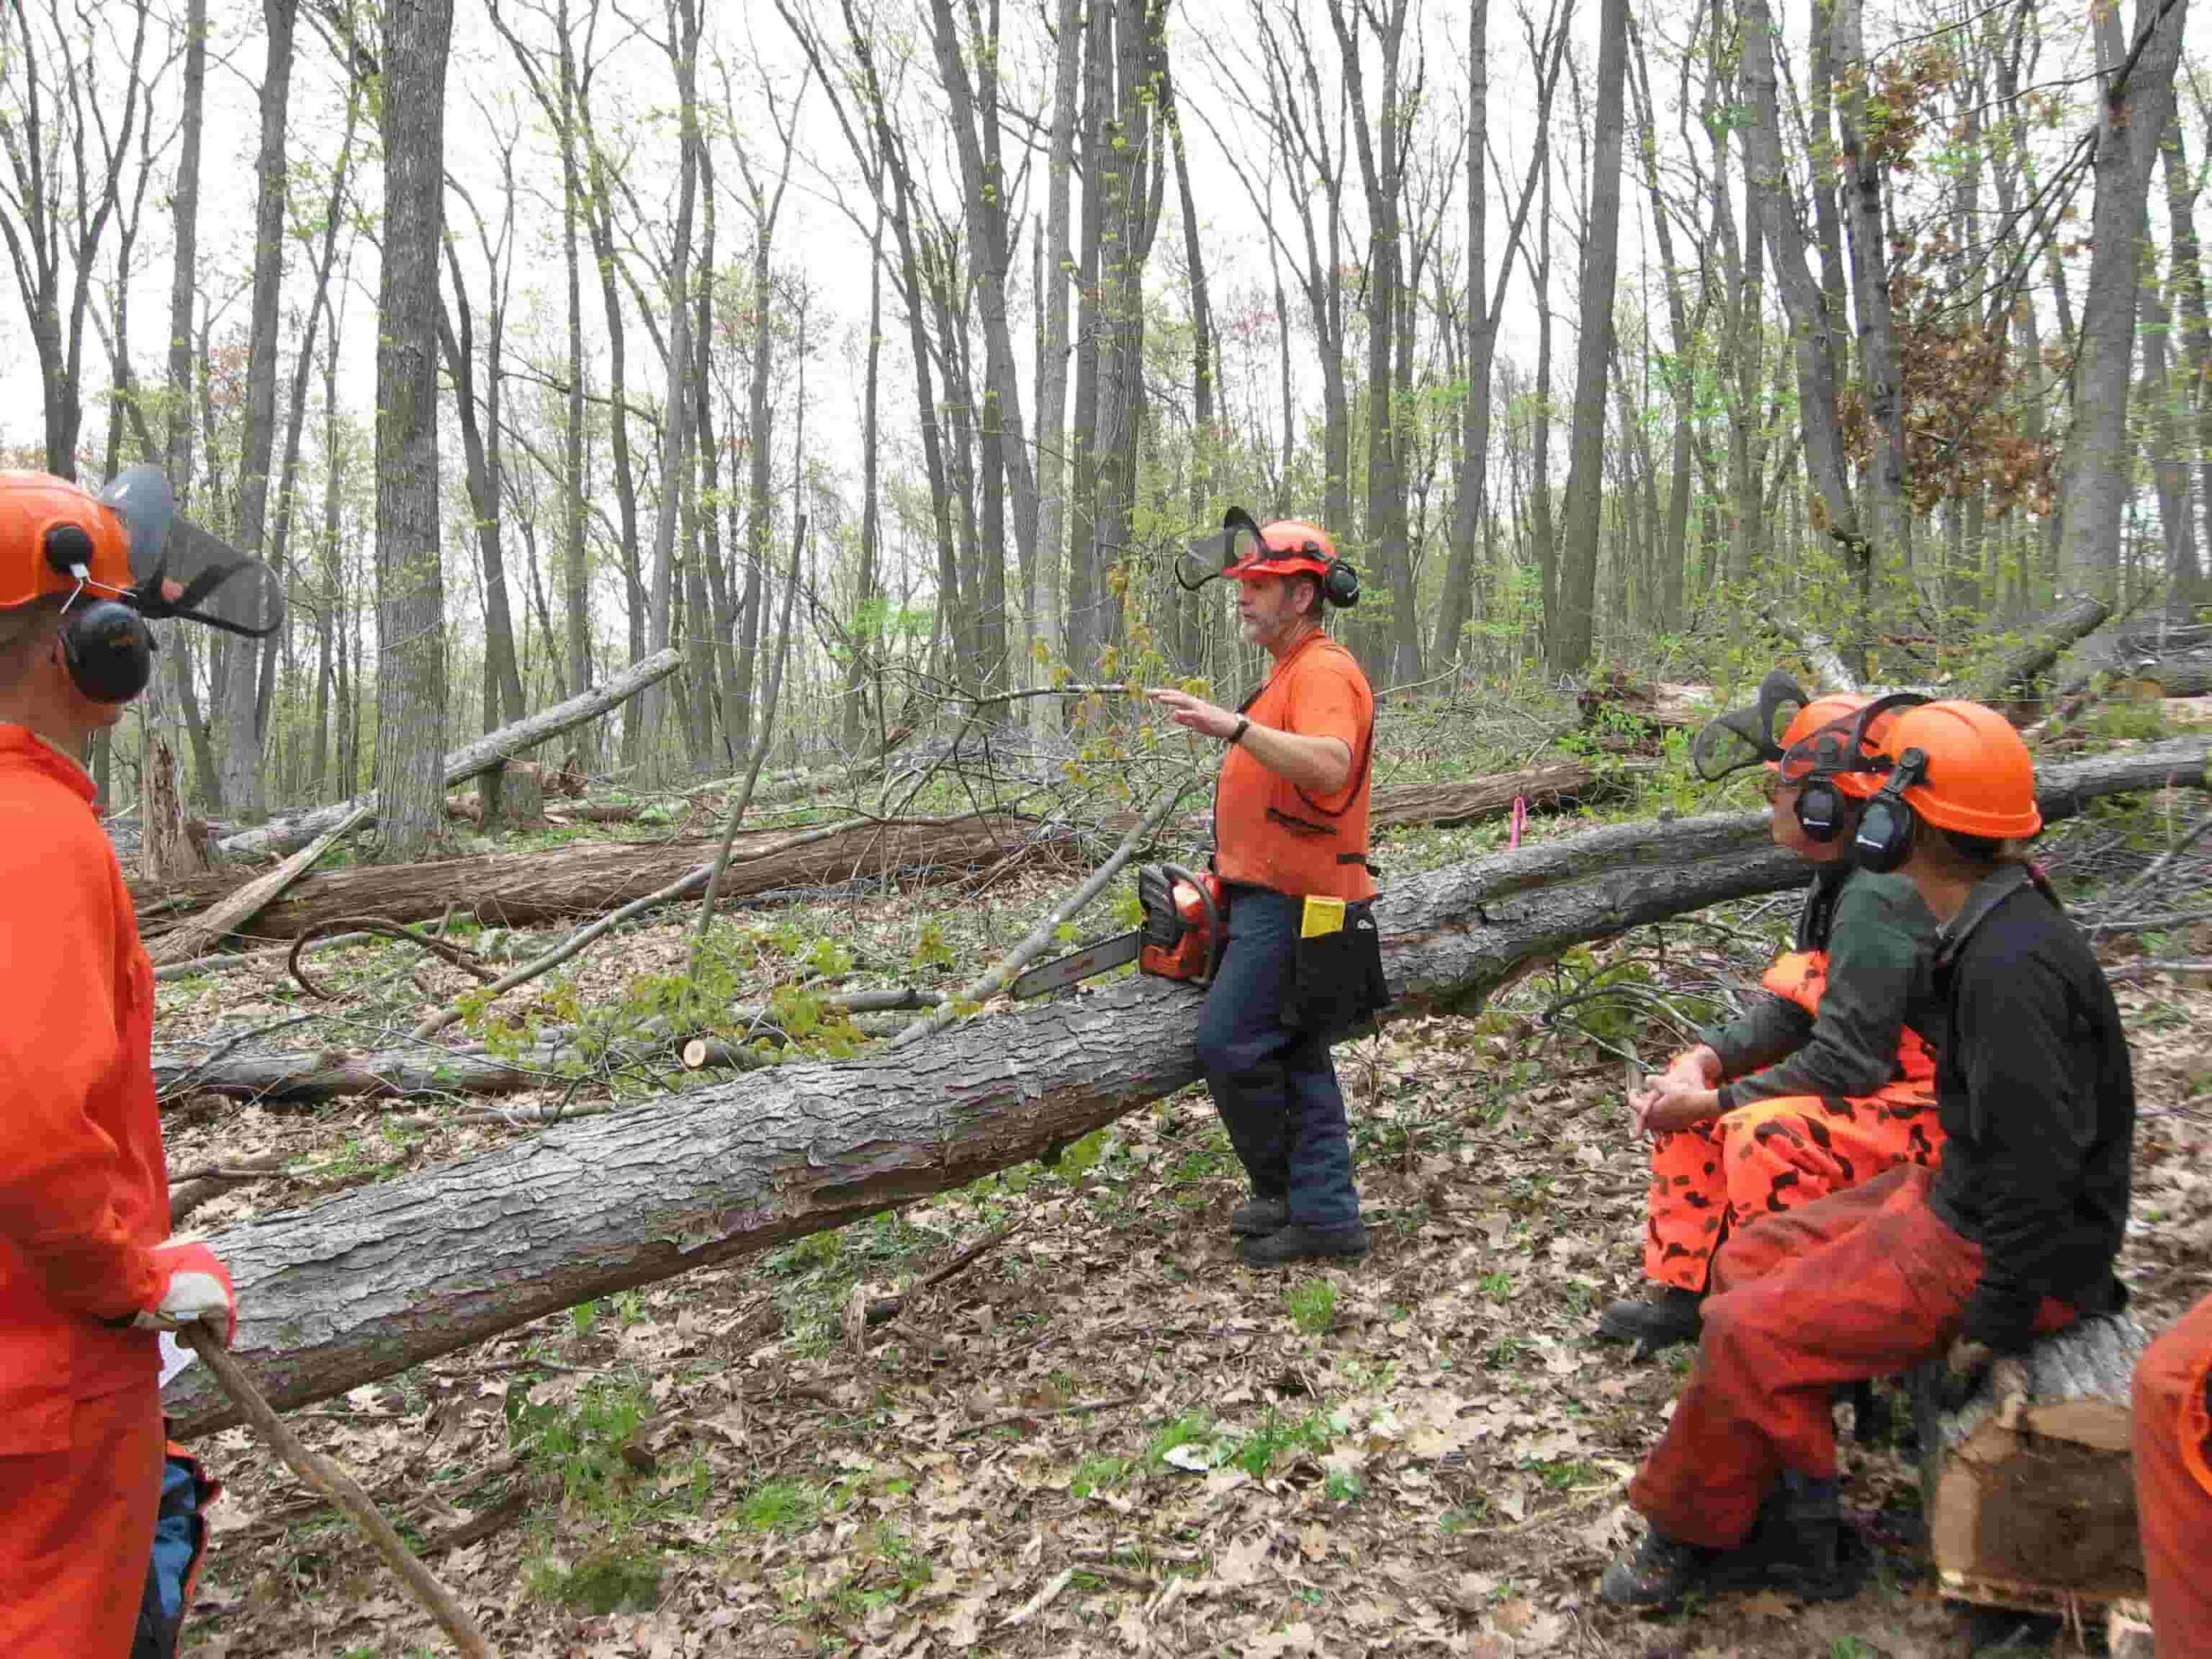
[386,1276]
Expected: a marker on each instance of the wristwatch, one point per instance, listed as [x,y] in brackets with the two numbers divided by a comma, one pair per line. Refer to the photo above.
[1243,725]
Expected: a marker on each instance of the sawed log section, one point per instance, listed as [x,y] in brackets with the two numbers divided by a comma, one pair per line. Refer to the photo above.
[389,1275]
[2038,1514]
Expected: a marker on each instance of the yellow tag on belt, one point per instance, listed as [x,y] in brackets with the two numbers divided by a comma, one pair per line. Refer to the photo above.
[1322,916]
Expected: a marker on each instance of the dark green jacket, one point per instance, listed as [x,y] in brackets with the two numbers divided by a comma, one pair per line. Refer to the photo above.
[1880,942]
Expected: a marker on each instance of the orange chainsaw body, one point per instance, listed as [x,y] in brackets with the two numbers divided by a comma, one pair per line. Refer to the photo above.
[1194,916]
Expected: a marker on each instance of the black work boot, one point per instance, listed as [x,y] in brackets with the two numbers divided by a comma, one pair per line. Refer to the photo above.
[1799,1545]
[1658,1573]
[1258,1216]
[1653,1322]
[1300,1244]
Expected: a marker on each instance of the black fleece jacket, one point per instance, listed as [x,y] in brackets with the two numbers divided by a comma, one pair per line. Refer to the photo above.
[2037,1101]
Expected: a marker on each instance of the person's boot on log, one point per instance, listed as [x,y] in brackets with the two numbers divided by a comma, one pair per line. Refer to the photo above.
[2013,1237]
[1826,1081]
[1302,965]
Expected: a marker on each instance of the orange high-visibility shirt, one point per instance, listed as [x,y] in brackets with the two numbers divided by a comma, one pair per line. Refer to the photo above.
[84,1186]
[1269,833]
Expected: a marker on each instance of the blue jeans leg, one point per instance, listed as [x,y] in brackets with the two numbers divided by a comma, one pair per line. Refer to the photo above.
[1275,1087]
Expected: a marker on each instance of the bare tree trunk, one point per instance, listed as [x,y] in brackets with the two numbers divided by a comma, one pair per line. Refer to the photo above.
[410,584]
[1572,640]
[1190,621]
[237,697]
[2138,101]
[1053,360]
[1889,529]
[1767,178]
[2196,337]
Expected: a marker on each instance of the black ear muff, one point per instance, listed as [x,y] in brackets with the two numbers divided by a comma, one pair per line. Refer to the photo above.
[1340,585]
[1821,810]
[107,649]
[1885,827]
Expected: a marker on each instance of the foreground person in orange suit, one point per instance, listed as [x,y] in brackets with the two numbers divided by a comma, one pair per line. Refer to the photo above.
[2173,1482]
[1823,1083]
[2015,1235]
[85,1278]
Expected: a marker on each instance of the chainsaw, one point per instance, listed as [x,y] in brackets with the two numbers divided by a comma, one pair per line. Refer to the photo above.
[1181,937]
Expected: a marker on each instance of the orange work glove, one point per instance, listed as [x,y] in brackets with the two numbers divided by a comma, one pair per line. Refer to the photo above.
[194,1285]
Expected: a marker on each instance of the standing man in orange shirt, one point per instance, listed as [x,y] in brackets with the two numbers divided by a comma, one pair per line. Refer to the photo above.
[1290,846]
[85,1278]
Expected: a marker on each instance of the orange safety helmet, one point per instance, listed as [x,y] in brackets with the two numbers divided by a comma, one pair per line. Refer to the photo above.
[1819,744]
[119,559]
[1973,774]
[56,536]
[1288,547]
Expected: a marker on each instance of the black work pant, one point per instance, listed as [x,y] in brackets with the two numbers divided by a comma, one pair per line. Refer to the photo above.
[1275,1087]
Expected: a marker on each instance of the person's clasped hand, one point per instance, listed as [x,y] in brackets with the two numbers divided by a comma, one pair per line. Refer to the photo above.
[1969,1362]
[1682,1097]
[195,1286]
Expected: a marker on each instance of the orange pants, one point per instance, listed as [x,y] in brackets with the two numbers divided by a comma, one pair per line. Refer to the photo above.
[1770,1156]
[77,1531]
[2173,1482]
[1861,1284]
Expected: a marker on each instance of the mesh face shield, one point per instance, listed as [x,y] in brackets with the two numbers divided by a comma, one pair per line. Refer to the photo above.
[220,586]
[1749,736]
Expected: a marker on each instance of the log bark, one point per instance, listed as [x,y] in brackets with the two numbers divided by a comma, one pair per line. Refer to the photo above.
[2038,1512]
[2046,639]
[283,835]
[519,889]
[386,1276]
[1555,784]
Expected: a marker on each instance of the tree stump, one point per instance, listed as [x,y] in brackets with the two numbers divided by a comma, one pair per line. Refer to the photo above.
[2041,1515]
[167,849]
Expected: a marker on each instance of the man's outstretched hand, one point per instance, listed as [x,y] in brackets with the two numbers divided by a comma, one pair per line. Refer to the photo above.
[1207,718]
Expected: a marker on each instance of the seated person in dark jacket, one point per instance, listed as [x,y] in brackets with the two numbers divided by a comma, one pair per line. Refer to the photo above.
[2015,1235]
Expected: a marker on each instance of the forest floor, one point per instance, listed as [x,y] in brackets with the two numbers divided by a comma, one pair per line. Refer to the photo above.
[1105,1436]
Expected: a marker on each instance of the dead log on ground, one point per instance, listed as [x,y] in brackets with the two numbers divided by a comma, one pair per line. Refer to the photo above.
[192,937]
[2032,1505]
[591,877]
[2044,640]
[283,834]
[379,1278]
[1627,714]
[2175,677]
[301,1077]
[1555,784]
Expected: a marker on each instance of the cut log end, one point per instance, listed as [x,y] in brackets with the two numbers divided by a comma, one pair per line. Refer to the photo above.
[2040,1516]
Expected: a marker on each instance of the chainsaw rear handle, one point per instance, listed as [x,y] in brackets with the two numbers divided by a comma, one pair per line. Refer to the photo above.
[1203,886]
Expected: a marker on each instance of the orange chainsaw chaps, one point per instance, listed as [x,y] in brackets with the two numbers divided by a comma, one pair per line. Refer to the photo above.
[2173,1480]
[80,1530]
[1771,1156]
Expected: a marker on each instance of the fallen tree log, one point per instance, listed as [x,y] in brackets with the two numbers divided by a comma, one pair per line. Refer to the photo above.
[590,878]
[299,1077]
[283,834]
[1555,784]
[2043,640]
[384,1277]
[1639,709]
[2032,1504]
[2177,677]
